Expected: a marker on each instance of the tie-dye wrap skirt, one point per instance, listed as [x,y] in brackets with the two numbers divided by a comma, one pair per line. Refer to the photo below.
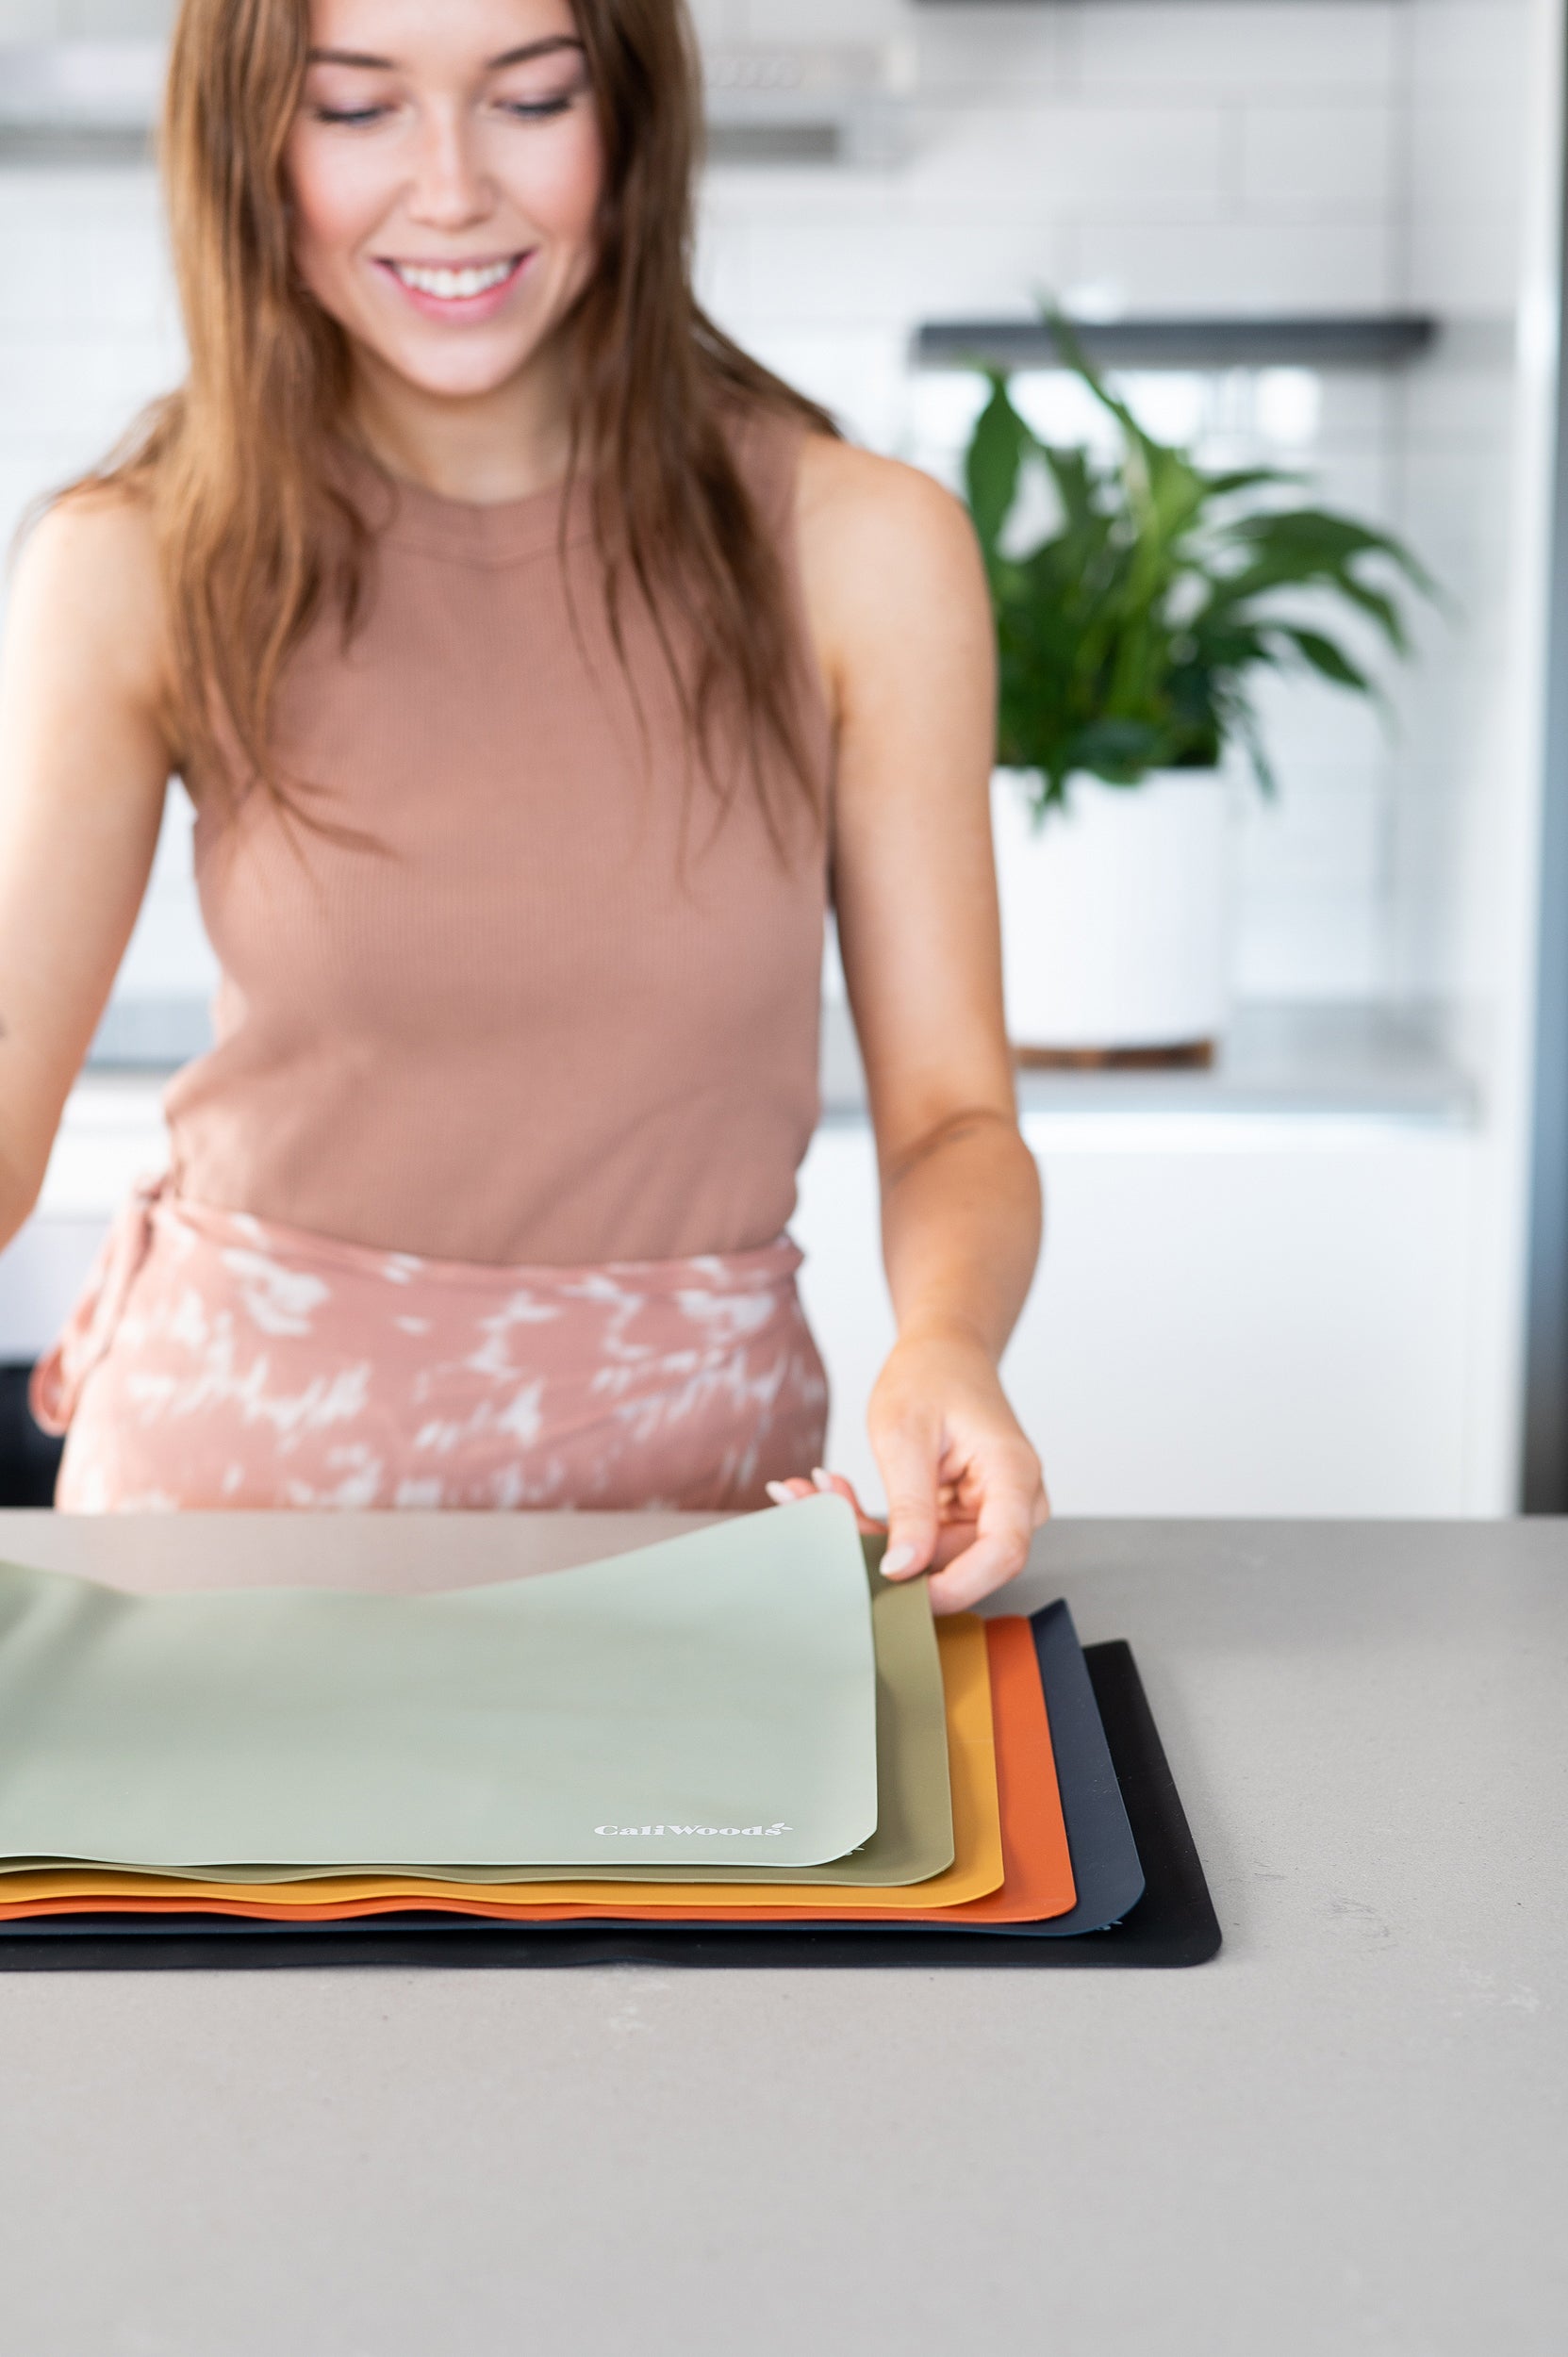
[216,1361]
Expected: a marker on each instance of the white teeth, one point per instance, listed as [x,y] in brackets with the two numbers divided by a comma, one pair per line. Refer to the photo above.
[453,286]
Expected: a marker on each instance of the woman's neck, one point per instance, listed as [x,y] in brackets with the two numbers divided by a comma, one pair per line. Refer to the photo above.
[488,449]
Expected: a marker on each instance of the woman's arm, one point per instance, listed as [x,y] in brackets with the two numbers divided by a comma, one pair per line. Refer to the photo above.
[902,624]
[83,762]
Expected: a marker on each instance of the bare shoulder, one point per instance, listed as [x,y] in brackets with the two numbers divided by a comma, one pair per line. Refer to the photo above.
[890,567]
[855,506]
[87,595]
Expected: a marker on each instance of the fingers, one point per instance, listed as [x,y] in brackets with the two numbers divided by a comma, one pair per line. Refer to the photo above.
[908,1454]
[824,1484]
[980,1570]
[1014,1507]
[970,1556]
[952,1536]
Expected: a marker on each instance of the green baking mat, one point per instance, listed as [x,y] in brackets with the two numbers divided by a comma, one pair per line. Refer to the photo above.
[914,1838]
[721,1684]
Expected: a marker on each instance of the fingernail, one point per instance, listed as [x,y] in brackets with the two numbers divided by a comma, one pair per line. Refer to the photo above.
[822,1477]
[896,1560]
[780,1493]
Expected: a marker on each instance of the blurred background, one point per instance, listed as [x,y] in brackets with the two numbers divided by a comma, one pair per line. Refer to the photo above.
[1323,1271]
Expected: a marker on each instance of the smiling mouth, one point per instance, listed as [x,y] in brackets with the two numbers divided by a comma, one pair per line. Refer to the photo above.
[454,283]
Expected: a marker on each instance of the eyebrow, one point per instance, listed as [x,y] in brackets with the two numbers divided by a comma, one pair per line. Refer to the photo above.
[530,49]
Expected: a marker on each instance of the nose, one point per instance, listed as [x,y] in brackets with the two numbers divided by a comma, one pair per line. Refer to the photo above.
[450,190]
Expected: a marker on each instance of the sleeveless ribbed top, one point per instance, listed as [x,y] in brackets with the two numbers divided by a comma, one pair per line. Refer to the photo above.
[560,1007]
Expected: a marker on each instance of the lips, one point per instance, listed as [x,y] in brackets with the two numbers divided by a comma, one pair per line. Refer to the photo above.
[458,291]
[454,282]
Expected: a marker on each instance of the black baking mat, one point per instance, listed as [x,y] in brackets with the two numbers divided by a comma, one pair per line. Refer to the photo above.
[1172,1924]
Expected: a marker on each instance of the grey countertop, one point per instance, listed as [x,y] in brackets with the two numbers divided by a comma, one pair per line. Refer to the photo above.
[1342,2138]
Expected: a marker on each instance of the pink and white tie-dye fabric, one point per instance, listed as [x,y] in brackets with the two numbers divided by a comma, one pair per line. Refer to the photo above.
[220,1361]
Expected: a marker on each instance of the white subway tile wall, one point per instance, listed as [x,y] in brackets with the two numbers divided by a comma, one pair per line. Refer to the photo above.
[1129,155]
[83,20]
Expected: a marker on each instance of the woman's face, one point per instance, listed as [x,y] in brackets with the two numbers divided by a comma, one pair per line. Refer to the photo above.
[445,170]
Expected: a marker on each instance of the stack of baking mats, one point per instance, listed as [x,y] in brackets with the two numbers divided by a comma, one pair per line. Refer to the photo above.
[434,1756]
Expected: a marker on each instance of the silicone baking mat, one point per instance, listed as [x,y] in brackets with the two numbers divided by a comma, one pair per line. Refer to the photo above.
[1172,1925]
[913,1842]
[1107,1870]
[721,1682]
[974,1833]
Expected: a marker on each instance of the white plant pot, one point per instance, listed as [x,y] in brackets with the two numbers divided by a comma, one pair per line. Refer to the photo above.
[1116,913]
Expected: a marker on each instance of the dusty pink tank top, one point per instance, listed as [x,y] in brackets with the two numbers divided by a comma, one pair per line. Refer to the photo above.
[566,1010]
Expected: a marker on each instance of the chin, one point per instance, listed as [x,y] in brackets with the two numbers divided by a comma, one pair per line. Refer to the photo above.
[455,381]
[454,373]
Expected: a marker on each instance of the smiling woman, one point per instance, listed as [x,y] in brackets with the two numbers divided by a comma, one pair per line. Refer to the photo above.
[391,157]
[539,664]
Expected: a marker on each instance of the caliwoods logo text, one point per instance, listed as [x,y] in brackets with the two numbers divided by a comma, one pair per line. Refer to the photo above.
[718,1832]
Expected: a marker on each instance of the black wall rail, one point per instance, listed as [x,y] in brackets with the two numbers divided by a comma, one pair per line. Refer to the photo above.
[1371,340]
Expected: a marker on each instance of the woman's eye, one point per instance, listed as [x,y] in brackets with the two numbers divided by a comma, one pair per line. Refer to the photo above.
[349,114]
[536,109]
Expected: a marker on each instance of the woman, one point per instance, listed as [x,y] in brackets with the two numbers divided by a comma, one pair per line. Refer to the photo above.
[536,662]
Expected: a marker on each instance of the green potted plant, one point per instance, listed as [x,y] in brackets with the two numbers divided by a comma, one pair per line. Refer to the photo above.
[1129,639]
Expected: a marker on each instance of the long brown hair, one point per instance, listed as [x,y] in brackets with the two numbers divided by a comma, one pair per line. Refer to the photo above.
[256,530]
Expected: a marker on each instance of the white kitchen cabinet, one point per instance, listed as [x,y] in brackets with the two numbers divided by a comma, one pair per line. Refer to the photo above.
[1241,1309]
[1236,1314]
